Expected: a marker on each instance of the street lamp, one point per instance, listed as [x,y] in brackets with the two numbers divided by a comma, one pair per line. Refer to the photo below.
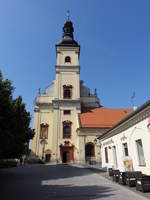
[95,141]
[43,142]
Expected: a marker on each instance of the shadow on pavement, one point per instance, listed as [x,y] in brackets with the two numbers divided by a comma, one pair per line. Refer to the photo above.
[26,183]
[78,192]
[43,171]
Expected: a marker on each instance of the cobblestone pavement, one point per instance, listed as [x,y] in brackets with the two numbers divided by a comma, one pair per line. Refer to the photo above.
[50,182]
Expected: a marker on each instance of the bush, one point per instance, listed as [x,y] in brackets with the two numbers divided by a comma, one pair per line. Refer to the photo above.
[5,163]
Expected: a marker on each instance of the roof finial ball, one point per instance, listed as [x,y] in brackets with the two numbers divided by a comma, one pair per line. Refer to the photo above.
[68,15]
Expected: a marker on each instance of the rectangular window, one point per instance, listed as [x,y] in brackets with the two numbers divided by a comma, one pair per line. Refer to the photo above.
[67,91]
[125,149]
[67,129]
[67,112]
[115,157]
[106,154]
[140,152]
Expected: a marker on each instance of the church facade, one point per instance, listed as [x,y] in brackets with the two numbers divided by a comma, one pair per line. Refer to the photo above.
[67,117]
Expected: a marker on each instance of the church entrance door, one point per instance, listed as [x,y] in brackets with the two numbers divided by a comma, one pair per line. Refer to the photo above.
[47,157]
[65,157]
[66,153]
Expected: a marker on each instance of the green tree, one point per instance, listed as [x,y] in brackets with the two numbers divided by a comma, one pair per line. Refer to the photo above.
[15,132]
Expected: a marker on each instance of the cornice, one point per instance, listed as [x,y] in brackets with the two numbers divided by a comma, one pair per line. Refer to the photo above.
[89,131]
[43,106]
[57,103]
[67,48]
[36,109]
[67,68]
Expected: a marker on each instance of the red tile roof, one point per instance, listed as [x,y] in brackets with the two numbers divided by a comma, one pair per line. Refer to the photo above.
[102,117]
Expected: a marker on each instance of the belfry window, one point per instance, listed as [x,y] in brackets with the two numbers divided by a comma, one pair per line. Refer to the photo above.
[67,90]
[67,129]
[67,59]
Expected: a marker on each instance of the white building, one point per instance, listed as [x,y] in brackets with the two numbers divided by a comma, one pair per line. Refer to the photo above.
[126,146]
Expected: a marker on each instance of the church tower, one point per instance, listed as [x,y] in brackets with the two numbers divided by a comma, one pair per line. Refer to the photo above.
[66,104]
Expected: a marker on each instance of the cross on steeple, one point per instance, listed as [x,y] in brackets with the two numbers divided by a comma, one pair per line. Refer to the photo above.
[68,15]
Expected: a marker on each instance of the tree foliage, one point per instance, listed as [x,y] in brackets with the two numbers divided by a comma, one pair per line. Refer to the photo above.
[15,132]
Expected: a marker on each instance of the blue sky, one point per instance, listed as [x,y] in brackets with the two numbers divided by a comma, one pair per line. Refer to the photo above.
[115,46]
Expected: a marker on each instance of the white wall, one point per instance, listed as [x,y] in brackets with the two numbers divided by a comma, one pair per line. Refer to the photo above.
[129,136]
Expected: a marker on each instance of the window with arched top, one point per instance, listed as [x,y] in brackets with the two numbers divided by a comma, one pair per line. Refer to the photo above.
[67,59]
[67,129]
[89,150]
[67,91]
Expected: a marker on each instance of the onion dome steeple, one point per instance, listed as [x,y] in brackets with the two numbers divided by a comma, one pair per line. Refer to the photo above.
[68,38]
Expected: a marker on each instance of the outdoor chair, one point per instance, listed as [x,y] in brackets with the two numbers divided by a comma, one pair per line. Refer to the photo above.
[115,176]
[122,178]
[110,171]
[143,183]
[131,177]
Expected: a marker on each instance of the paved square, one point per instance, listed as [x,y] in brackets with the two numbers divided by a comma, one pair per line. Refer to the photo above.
[50,182]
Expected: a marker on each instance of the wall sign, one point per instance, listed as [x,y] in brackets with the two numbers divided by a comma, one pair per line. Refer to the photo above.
[127,162]
[108,142]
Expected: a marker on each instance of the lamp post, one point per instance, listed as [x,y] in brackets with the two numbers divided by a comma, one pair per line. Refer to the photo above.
[43,142]
[95,141]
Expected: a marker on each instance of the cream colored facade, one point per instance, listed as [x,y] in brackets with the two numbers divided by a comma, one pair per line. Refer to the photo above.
[86,136]
[49,107]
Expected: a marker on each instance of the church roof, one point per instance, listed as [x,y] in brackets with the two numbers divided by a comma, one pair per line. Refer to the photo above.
[68,37]
[102,117]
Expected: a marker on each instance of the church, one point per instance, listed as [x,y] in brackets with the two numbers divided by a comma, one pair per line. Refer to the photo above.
[68,118]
